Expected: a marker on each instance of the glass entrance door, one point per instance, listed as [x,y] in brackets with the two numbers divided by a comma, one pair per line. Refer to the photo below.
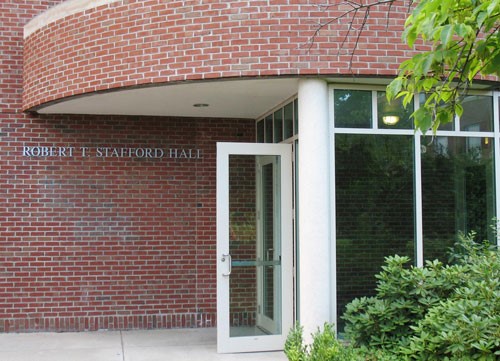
[254,246]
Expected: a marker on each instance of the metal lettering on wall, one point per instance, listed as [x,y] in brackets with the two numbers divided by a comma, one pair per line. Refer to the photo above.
[110,152]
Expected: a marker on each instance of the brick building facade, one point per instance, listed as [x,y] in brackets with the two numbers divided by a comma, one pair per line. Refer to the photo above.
[111,112]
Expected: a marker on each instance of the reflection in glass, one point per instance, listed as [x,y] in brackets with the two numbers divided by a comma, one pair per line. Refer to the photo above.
[457,191]
[269,128]
[353,108]
[288,120]
[278,126]
[447,126]
[296,116]
[260,131]
[393,110]
[268,235]
[254,245]
[374,209]
[478,114]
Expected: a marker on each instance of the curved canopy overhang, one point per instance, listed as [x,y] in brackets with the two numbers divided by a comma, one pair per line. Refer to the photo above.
[242,98]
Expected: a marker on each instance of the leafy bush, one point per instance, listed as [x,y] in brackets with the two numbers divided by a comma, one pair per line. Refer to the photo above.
[466,326]
[294,345]
[325,346]
[404,294]
[438,312]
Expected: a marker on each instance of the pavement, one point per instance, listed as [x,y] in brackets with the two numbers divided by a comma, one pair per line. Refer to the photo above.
[144,345]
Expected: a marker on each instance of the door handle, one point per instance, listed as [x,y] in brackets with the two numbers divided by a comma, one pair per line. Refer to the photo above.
[269,256]
[228,258]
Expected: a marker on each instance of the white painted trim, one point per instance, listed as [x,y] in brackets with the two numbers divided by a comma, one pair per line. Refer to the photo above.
[374,131]
[419,227]
[417,179]
[496,164]
[462,134]
[374,110]
[222,247]
[61,11]
[333,211]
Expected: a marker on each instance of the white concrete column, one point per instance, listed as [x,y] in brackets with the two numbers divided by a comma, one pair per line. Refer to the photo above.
[314,205]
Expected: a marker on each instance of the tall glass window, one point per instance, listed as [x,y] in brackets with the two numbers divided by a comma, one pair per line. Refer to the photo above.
[374,208]
[398,192]
[457,191]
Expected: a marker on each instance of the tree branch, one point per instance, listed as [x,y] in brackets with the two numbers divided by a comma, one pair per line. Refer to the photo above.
[356,9]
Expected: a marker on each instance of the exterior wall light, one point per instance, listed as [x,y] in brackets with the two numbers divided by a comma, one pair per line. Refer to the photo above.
[390,119]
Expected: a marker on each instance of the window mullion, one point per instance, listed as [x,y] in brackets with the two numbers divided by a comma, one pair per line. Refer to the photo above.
[374,110]
[496,144]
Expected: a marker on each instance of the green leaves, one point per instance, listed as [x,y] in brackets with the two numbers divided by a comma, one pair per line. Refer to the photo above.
[465,42]
[294,345]
[325,346]
[434,313]
[437,312]
[422,118]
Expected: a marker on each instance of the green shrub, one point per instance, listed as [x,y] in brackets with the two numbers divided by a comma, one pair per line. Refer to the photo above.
[404,294]
[294,345]
[466,326]
[325,346]
[438,312]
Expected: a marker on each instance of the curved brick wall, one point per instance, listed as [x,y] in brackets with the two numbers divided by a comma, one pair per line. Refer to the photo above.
[121,44]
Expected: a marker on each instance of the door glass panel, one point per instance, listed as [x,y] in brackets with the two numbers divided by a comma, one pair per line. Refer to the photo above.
[268,239]
[254,246]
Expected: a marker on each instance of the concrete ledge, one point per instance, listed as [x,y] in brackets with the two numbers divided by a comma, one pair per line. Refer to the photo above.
[60,11]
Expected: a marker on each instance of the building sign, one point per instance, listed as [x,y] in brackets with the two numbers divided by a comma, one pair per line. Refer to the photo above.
[110,152]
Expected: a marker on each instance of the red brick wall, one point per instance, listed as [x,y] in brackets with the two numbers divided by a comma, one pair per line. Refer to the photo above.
[93,242]
[13,15]
[89,243]
[142,42]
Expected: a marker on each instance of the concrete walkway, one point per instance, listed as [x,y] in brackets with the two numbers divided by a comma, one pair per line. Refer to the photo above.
[154,345]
